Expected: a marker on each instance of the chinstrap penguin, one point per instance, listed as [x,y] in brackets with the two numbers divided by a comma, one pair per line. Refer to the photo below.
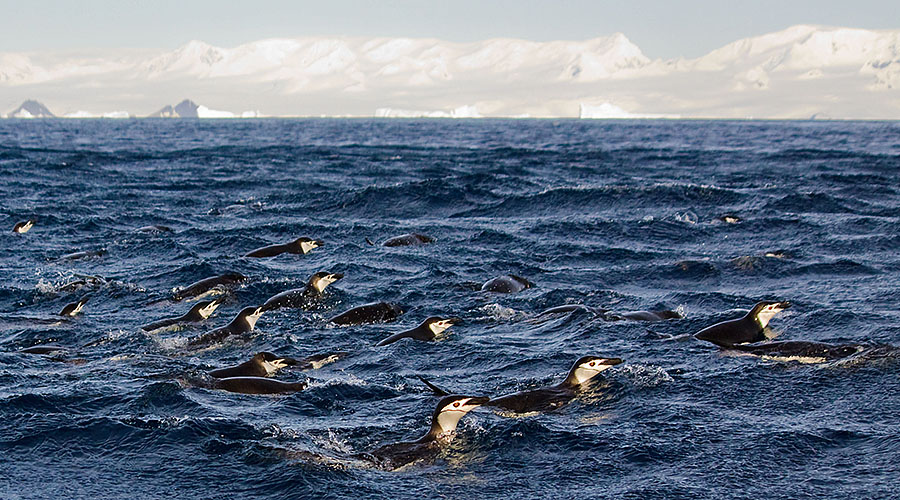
[221,283]
[427,330]
[509,283]
[750,328]
[75,308]
[550,397]
[410,239]
[376,312]
[301,246]
[23,227]
[201,311]
[244,322]
[444,420]
[303,297]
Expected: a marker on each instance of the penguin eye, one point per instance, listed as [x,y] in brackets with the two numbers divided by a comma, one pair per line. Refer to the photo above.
[592,363]
[456,404]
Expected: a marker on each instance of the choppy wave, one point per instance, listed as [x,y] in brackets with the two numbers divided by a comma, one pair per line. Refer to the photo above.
[617,216]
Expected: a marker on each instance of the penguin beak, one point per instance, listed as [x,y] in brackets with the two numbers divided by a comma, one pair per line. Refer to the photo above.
[318,243]
[335,276]
[447,323]
[287,361]
[477,401]
[610,361]
[784,305]
[278,363]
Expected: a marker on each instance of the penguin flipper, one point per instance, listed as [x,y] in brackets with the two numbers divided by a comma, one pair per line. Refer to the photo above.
[393,338]
[435,389]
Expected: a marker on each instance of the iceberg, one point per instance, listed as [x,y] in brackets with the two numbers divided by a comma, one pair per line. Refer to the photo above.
[80,114]
[406,113]
[204,112]
[609,111]
[460,112]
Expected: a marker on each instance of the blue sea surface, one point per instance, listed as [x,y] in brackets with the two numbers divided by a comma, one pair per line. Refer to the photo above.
[618,215]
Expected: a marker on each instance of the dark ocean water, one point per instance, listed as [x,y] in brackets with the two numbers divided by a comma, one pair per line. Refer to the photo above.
[620,215]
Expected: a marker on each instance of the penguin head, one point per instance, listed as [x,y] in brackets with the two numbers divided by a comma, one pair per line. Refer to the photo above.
[764,311]
[587,367]
[250,315]
[75,308]
[439,325]
[205,308]
[322,279]
[450,409]
[272,363]
[23,227]
[305,245]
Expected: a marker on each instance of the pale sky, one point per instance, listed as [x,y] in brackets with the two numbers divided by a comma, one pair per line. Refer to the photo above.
[661,28]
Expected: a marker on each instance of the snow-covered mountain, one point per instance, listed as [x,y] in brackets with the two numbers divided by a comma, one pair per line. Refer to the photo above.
[800,72]
[31,109]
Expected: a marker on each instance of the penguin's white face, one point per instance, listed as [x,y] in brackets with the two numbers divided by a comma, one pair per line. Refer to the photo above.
[206,312]
[768,312]
[25,227]
[252,318]
[592,368]
[326,280]
[77,310]
[306,246]
[273,366]
[440,326]
[450,414]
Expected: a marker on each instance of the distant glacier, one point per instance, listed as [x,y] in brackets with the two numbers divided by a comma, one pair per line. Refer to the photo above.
[801,72]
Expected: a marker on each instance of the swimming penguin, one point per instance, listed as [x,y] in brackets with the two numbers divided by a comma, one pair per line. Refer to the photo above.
[428,330]
[651,315]
[153,229]
[82,281]
[44,349]
[376,312]
[729,218]
[83,255]
[551,397]
[802,352]
[410,239]
[73,309]
[264,364]
[221,282]
[247,385]
[303,297]
[23,227]
[244,322]
[299,246]
[447,414]
[750,328]
[509,283]
[201,311]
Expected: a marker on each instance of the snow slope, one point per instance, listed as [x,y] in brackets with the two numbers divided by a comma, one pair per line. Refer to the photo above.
[795,73]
